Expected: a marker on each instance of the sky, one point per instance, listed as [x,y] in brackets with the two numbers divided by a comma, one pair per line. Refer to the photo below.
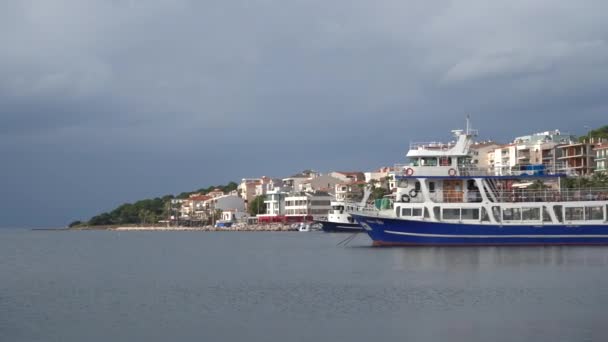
[104,102]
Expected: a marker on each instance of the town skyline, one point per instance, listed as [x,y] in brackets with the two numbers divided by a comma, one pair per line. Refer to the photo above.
[106,102]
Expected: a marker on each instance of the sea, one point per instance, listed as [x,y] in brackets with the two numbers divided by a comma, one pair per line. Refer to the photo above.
[292,286]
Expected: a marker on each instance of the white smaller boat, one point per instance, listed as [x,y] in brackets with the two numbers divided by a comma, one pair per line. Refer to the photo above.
[304,227]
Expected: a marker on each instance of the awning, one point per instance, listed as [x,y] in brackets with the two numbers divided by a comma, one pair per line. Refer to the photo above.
[522,185]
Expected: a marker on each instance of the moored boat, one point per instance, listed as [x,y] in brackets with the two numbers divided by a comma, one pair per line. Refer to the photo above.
[444,199]
[339,220]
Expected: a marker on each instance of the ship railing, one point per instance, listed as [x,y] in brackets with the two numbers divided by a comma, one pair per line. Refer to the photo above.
[522,170]
[515,196]
[431,145]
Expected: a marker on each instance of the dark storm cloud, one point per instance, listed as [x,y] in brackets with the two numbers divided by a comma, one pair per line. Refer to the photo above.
[101,101]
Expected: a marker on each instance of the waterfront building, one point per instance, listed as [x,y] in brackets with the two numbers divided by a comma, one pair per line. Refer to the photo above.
[601,157]
[326,183]
[378,178]
[234,215]
[193,206]
[348,177]
[577,158]
[215,193]
[296,181]
[267,185]
[481,152]
[226,202]
[275,206]
[250,188]
[350,192]
[536,148]
[307,206]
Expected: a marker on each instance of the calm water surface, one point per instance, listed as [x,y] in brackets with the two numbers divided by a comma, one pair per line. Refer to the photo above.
[166,286]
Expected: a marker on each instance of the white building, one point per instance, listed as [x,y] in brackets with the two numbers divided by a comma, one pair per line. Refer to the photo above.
[275,205]
[537,148]
[226,202]
[232,215]
[480,152]
[347,177]
[304,205]
[325,183]
[350,192]
[379,178]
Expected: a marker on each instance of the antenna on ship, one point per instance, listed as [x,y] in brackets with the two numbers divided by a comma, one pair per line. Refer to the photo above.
[467,131]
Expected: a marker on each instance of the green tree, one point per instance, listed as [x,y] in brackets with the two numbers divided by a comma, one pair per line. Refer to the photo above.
[601,132]
[148,210]
[75,224]
[538,185]
[599,180]
[378,193]
[576,182]
[257,206]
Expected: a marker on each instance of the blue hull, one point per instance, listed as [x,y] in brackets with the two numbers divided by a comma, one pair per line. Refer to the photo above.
[336,227]
[394,232]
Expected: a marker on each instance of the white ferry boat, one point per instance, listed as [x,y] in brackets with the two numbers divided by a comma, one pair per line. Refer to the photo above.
[444,199]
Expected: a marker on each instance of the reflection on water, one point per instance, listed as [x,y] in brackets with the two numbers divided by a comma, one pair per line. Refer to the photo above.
[110,286]
[483,257]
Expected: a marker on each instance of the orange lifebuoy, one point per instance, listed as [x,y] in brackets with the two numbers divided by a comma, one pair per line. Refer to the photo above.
[409,171]
[452,172]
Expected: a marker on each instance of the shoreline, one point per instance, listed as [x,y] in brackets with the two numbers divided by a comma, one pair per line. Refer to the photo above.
[237,228]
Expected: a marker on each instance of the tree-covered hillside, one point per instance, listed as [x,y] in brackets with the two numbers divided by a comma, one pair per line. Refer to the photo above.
[147,211]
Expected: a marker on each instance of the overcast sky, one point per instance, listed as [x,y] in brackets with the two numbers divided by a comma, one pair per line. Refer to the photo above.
[110,101]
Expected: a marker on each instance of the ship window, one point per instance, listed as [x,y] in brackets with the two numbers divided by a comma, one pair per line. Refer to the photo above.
[426,213]
[530,214]
[546,215]
[572,214]
[417,186]
[417,212]
[470,214]
[558,213]
[484,215]
[429,161]
[496,213]
[437,212]
[511,214]
[445,161]
[398,211]
[406,211]
[451,214]
[594,213]
[431,186]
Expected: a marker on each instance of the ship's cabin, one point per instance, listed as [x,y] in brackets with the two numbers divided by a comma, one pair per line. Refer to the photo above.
[498,200]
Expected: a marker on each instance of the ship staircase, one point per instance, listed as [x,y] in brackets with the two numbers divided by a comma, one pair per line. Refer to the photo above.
[491,189]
